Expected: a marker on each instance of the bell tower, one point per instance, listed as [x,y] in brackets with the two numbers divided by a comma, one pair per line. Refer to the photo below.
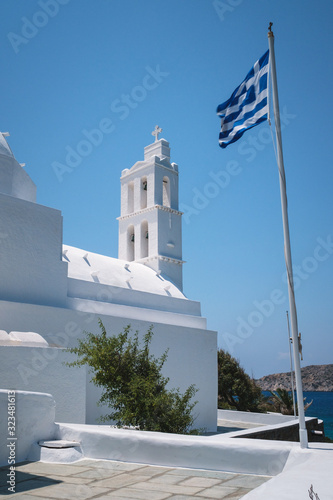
[150,222]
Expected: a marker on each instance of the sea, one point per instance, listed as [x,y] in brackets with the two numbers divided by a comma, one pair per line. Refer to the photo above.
[322,407]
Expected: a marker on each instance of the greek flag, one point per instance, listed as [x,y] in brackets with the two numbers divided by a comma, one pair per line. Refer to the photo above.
[247,107]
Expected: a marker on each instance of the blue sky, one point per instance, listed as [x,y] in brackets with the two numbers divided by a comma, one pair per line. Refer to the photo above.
[67,67]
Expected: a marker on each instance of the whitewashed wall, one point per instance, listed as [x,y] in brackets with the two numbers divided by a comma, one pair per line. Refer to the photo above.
[42,369]
[30,257]
[14,179]
[34,416]
[191,358]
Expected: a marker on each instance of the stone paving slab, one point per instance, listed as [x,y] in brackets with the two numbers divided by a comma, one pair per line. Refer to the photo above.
[205,473]
[237,496]
[66,479]
[20,476]
[43,468]
[152,470]
[28,497]
[201,482]
[167,479]
[246,481]
[221,491]
[169,488]
[28,486]
[70,491]
[133,493]
[108,464]
[95,473]
[87,479]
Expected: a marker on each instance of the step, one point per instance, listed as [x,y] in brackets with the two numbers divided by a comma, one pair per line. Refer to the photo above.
[56,451]
[59,443]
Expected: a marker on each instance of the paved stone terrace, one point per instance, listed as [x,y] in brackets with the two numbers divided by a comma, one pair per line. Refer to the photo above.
[109,479]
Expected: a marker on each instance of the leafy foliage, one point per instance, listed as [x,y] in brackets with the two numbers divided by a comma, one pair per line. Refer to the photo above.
[281,401]
[133,386]
[236,390]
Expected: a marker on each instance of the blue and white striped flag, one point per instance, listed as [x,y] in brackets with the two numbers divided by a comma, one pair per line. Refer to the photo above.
[248,105]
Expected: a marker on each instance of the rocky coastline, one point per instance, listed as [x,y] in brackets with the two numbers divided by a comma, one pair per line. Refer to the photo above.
[314,378]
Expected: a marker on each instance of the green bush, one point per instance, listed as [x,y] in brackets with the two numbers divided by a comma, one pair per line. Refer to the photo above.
[236,390]
[281,401]
[133,387]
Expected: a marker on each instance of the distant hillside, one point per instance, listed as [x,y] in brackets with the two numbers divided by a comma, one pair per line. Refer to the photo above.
[314,378]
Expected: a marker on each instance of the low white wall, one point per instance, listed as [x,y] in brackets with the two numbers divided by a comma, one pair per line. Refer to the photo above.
[217,452]
[41,369]
[274,431]
[255,418]
[33,421]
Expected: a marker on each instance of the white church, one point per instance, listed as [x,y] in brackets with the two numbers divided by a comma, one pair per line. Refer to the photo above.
[50,293]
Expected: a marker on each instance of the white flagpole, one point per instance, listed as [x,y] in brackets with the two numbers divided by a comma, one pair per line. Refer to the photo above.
[303,437]
[291,366]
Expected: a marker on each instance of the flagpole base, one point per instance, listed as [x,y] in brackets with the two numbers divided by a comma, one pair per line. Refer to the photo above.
[303,438]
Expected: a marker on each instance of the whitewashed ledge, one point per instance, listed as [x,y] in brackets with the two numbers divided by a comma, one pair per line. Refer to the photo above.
[217,452]
[294,469]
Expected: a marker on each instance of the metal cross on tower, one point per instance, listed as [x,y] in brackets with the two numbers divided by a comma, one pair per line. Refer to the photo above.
[156,132]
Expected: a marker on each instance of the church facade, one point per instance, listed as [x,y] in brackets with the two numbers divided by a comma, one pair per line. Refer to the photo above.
[50,293]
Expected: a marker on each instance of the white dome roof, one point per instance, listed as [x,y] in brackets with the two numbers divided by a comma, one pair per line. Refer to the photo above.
[88,266]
